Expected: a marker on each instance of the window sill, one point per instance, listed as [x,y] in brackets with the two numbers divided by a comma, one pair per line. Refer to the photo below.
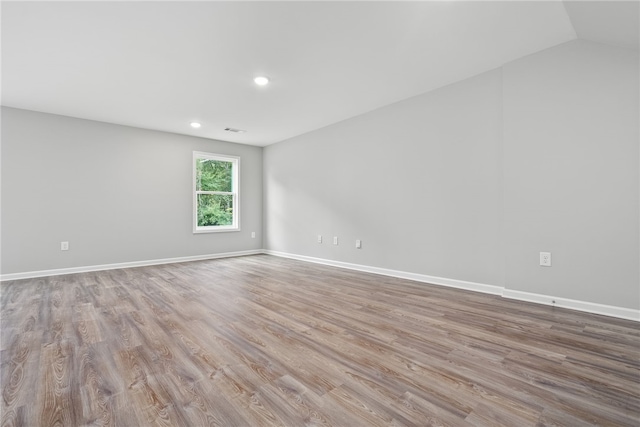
[215,230]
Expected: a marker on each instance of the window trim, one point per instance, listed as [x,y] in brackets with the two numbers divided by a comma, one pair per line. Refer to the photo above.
[235,186]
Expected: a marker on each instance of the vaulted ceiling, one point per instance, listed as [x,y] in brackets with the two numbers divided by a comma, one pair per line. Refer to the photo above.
[162,65]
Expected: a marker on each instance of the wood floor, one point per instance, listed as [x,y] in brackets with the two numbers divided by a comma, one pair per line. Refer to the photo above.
[262,341]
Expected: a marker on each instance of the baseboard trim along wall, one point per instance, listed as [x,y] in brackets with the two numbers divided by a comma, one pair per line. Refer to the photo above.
[588,307]
[85,269]
[460,284]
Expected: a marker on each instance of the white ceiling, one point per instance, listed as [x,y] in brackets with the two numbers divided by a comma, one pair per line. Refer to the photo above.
[161,65]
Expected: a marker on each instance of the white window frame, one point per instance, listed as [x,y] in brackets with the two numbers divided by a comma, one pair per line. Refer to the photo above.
[235,186]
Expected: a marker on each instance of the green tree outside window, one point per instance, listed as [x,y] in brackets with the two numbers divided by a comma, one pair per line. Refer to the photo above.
[215,192]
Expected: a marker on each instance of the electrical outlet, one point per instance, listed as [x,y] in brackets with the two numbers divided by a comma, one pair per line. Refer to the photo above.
[319,238]
[358,244]
[64,246]
[335,240]
[253,234]
[545,259]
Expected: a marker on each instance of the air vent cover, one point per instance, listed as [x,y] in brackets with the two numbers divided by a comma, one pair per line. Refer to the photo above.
[235,130]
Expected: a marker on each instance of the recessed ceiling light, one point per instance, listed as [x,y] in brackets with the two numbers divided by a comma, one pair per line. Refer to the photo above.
[261,81]
[195,125]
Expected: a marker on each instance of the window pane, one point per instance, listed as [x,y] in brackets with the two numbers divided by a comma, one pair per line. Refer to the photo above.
[215,209]
[213,175]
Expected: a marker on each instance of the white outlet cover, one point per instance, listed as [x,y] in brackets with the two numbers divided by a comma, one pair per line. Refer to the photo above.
[545,259]
[319,238]
[335,240]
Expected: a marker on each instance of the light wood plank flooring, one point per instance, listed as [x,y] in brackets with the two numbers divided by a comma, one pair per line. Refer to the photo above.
[266,341]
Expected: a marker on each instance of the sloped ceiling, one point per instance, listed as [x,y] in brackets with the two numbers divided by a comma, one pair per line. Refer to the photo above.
[161,65]
[611,22]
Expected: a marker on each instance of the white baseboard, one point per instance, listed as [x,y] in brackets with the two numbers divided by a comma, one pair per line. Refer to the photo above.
[452,283]
[588,307]
[85,269]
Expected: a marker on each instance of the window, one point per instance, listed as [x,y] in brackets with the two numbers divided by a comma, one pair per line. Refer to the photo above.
[215,193]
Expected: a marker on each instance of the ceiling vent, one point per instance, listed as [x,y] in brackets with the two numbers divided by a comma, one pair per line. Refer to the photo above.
[234,130]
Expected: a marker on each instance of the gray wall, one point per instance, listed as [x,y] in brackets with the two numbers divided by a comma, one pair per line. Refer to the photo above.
[571,173]
[472,181]
[116,193]
[419,182]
